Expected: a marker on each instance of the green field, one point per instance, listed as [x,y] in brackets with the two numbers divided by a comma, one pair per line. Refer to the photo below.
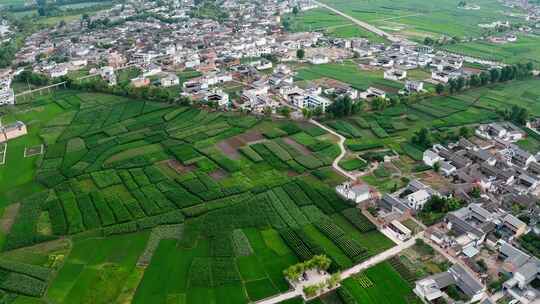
[331,24]
[381,279]
[393,127]
[348,72]
[97,269]
[252,196]
[417,19]
[525,49]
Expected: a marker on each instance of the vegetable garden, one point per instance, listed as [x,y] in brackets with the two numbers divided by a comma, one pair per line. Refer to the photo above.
[116,168]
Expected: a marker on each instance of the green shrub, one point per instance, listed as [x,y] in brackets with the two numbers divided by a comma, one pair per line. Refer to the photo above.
[104,179]
[57,217]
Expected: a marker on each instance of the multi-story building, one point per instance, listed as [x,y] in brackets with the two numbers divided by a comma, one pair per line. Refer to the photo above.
[7,96]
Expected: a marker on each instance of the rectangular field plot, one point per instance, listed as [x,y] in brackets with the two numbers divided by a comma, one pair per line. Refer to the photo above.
[372,286]
[33,151]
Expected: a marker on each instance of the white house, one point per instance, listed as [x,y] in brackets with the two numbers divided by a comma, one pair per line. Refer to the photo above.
[440,76]
[430,158]
[372,92]
[169,80]
[395,74]
[7,96]
[58,71]
[447,168]
[264,65]
[430,288]
[151,70]
[319,59]
[412,86]
[356,193]
[219,97]
[418,199]
[107,74]
[311,101]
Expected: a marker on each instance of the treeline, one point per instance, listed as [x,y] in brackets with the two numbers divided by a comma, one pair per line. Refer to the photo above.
[494,75]
[344,106]
[152,93]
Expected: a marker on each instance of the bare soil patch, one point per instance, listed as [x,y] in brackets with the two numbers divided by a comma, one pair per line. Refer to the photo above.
[251,136]
[230,146]
[178,167]
[219,174]
[229,149]
[8,218]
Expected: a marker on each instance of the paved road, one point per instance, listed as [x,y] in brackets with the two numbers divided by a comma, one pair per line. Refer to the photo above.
[383,256]
[365,25]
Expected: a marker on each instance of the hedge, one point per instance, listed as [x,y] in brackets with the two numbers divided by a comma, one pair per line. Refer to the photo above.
[23,231]
[364,146]
[37,272]
[251,154]
[106,178]
[105,214]
[88,212]
[57,217]
[119,210]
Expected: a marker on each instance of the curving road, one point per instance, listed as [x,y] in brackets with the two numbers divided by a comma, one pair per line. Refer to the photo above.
[341,144]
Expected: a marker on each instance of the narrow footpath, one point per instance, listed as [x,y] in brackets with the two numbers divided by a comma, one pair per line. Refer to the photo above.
[341,144]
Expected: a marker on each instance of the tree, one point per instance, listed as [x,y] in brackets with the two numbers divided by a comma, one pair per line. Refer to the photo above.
[300,53]
[436,167]
[295,10]
[460,83]
[422,138]
[318,111]
[474,80]
[494,75]
[267,111]
[285,111]
[484,78]
[379,103]
[475,192]
[320,262]
[439,88]
[465,132]
[307,113]
[429,41]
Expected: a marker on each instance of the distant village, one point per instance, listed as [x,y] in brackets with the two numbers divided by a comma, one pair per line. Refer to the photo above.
[246,62]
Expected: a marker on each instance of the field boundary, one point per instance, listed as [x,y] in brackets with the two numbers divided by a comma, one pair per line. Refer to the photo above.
[3,152]
[30,154]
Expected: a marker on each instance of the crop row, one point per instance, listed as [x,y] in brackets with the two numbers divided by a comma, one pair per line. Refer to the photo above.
[356,218]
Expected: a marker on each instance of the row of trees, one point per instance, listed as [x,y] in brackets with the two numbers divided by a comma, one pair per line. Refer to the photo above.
[152,93]
[494,75]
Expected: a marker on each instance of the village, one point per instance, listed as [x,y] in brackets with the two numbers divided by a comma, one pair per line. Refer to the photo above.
[497,184]
[477,210]
[249,64]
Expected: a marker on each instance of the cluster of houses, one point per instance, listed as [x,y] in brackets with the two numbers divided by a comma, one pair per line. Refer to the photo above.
[493,163]
[498,183]
[7,96]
